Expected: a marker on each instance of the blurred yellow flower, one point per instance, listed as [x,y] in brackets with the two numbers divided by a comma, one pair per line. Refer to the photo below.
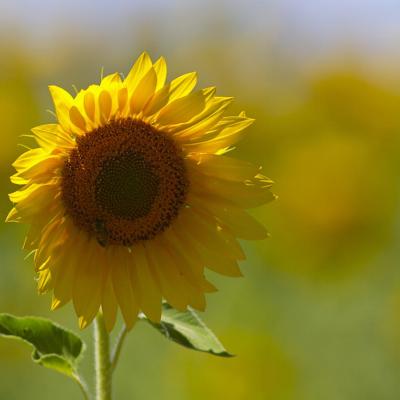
[130,195]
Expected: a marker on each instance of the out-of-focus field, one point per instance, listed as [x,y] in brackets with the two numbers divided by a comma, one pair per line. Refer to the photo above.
[317,315]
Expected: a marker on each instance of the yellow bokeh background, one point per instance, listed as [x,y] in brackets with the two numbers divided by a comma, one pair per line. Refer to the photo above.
[317,314]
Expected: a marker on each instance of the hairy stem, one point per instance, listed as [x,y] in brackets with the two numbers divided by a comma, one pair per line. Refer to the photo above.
[102,359]
[118,346]
[82,385]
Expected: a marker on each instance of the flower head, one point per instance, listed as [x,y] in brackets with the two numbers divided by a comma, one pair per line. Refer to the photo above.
[130,195]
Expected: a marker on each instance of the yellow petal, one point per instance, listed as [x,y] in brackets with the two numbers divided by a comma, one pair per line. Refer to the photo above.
[211,257]
[52,237]
[122,99]
[238,221]
[194,269]
[88,283]
[30,192]
[77,118]
[183,85]
[110,79]
[45,281]
[65,280]
[122,286]
[157,102]
[139,69]
[197,300]
[31,201]
[63,101]
[51,136]
[208,287]
[73,251]
[221,265]
[224,167]
[203,122]
[109,303]
[55,303]
[247,194]
[90,105]
[144,91]
[209,93]
[144,284]
[32,237]
[216,261]
[105,105]
[172,286]
[160,66]
[227,132]
[182,109]
[230,240]
[187,261]
[207,232]
[41,172]
[32,156]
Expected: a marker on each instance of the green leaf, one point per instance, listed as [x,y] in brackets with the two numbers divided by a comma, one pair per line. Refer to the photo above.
[53,346]
[187,329]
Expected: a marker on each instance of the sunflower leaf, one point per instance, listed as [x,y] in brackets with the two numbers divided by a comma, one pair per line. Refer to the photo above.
[188,330]
[54,347]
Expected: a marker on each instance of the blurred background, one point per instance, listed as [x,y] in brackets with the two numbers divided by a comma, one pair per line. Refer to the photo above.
[317,315]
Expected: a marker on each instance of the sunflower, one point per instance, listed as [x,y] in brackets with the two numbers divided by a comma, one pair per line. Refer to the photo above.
[130,195]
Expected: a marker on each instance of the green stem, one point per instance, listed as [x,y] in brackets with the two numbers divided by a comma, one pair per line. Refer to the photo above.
[102,359]
[117,349]
[82,385]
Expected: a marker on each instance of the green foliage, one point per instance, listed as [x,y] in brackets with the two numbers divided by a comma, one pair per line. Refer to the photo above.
[53,346]
[188,330]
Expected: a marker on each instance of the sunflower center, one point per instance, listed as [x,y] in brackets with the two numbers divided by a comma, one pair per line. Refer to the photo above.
[126,186]
[124,182]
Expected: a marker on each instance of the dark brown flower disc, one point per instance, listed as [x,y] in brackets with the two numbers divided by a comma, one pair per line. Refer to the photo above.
[124,182]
